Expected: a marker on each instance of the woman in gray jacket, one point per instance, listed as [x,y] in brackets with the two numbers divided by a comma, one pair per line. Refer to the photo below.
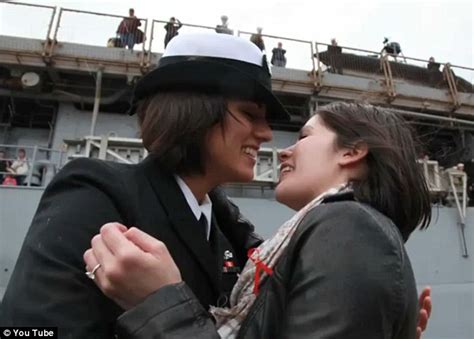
[337,269]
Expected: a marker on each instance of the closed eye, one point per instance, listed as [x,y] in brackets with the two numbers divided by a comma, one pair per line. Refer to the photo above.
[304,132]
[249,115]
[254,116]
[302,136]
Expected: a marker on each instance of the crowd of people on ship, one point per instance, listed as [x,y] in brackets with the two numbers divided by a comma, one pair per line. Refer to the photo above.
[128,35]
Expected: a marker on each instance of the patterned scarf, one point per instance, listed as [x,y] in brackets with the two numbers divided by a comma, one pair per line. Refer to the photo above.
[229,320]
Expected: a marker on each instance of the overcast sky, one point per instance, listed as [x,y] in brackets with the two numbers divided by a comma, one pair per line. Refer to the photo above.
[439,28]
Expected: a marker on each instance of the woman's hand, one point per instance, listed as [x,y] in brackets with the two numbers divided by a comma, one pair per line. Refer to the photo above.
[425,311]
[133,264]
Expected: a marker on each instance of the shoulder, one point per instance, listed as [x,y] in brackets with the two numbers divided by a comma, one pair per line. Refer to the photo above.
[91,167]
[351,223]
[93,173]
[348,258]
[347,213]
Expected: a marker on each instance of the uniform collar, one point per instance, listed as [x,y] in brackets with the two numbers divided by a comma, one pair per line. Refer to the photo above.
[205,208]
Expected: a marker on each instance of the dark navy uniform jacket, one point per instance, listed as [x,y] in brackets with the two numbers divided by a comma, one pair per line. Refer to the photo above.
[48,286]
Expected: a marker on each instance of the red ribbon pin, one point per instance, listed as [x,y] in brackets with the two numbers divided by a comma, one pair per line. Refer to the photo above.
[253,254]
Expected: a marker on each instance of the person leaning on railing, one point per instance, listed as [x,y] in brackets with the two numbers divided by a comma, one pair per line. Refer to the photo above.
[224,28]
[257,39]
[278,56]
[19,167]
[128,31]
[172,28]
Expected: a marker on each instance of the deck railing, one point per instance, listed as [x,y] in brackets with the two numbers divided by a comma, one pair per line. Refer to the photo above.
[43,163]
[39,23]
[315,57]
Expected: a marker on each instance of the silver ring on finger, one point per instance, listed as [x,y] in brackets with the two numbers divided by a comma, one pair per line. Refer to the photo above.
[91,274]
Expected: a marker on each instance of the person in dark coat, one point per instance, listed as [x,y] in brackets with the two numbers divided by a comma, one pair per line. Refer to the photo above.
[257,39]
[172,28]
[4,164]
[337,269]
[224,27]
[200,132]
[278,56]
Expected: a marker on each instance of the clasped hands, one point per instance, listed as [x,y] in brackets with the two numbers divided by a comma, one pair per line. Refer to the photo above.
[133,265]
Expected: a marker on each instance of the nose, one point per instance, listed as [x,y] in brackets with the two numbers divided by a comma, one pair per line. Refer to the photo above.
[285,154]
[263,131]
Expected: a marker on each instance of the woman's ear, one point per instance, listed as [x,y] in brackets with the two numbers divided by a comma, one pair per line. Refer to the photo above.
[351,156]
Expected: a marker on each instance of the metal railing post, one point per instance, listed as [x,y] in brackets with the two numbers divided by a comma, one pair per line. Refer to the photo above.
[312,60]
[388,76]
[461,210]
[55,36]
[48,40]
[30,170]
[144,56]
[104,143]
[319,81]
[451,84]
[275,165]
[152,32]
[95,111]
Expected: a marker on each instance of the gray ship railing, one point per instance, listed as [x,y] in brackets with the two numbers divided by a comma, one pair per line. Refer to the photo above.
[43,163]
[302,54]
[445,185]
[131,150]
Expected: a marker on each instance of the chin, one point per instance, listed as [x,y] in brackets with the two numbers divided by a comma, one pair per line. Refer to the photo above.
[282,195]
[242,176]
[286,194]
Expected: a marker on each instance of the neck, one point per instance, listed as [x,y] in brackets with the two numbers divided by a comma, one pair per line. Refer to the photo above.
[199,185]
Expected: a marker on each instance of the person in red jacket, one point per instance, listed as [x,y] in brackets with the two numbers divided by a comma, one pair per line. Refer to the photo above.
[128,30]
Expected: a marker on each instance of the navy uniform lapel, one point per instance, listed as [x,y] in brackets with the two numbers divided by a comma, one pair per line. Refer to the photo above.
[227,263]
[182,218]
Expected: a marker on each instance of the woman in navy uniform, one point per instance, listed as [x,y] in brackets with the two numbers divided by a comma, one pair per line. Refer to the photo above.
[203,118]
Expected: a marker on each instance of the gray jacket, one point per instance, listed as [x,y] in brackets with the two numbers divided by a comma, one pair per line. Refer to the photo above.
[345,274]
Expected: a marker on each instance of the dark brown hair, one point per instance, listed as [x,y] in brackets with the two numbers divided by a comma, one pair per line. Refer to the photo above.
[174,125]
[395,184]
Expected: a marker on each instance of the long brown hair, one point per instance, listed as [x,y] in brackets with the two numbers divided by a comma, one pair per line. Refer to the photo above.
[395,184]
[174,125]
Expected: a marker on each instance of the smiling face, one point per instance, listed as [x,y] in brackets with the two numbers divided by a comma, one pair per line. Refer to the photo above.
[232,146]
[21,154]
[311,166]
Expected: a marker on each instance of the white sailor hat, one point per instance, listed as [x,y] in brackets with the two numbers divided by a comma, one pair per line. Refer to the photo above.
[213,63]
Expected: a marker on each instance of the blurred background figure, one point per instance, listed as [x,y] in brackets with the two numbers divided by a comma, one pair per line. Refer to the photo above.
[223,28]
[4,164]
[278,56]
[393,48]
[127,31]
[172,28]
[257,39]
[19,167]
